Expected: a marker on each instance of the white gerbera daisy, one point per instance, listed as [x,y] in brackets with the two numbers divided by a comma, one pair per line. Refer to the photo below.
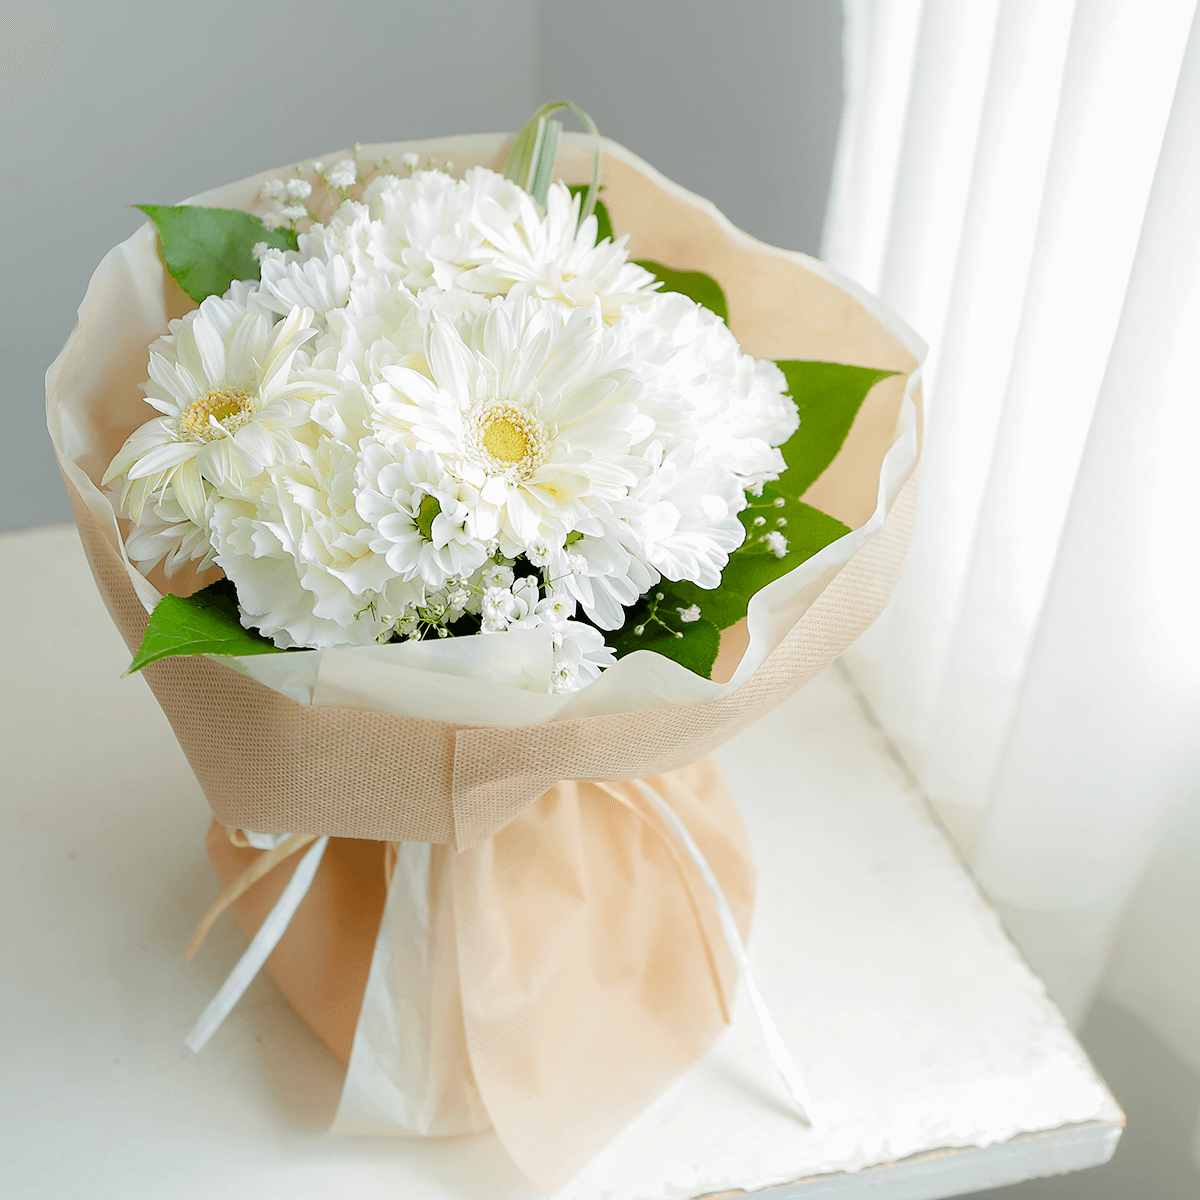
[520,404]
[553,259]
[164,534]
[222,380]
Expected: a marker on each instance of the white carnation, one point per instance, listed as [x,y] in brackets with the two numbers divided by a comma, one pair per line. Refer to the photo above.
[315,284]
[301,556]
[610,570]
[689,524]
[380,325]
[736,407]
[425,229]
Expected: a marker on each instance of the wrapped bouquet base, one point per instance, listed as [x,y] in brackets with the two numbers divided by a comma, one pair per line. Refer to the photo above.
[551,981]
[507,928]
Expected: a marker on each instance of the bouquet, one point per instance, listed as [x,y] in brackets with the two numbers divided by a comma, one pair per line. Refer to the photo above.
[463,531]
[451,407]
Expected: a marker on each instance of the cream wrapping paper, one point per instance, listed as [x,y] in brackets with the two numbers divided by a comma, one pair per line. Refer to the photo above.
[544,906]
[409,1068]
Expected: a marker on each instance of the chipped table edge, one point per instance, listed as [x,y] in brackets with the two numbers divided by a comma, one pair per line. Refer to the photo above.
[955,1169]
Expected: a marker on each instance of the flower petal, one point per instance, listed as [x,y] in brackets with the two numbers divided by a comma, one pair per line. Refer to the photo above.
[212,351]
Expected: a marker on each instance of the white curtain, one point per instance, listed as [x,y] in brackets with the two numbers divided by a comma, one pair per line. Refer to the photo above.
[1020,179]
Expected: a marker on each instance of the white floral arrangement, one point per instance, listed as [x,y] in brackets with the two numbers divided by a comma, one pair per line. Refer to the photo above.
[450,407]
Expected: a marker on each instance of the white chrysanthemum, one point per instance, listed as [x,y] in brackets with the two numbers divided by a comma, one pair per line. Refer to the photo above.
[579,656]
[549,257]
[300,555]
[417,516]
[737,407]
[521,405]
[290,281]
[605,569]
[223,381]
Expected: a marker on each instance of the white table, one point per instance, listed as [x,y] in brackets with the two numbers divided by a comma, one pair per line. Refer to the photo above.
[938,1063]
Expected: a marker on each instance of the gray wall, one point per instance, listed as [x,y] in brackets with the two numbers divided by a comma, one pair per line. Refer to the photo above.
[106,104]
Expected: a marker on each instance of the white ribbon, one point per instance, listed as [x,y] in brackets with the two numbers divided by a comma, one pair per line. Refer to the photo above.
[259,950]
[273,928]
[780,1056]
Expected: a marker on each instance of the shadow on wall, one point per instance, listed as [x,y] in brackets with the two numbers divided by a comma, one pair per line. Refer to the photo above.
[738,102]
[1158,1153]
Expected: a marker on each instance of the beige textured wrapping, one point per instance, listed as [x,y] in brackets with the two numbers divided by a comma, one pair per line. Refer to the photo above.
[591,969]
[267,762]
[497,772]
[582,914]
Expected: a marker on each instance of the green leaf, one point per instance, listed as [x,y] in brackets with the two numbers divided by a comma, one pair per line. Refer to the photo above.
[206,249]
[604,227]
[530,161]
[430,508]
[828,396]
[693,644]
[704,289]
[753,565]
[205,622]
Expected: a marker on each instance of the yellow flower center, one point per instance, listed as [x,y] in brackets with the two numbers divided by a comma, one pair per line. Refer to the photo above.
[231,406]
[506,440]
